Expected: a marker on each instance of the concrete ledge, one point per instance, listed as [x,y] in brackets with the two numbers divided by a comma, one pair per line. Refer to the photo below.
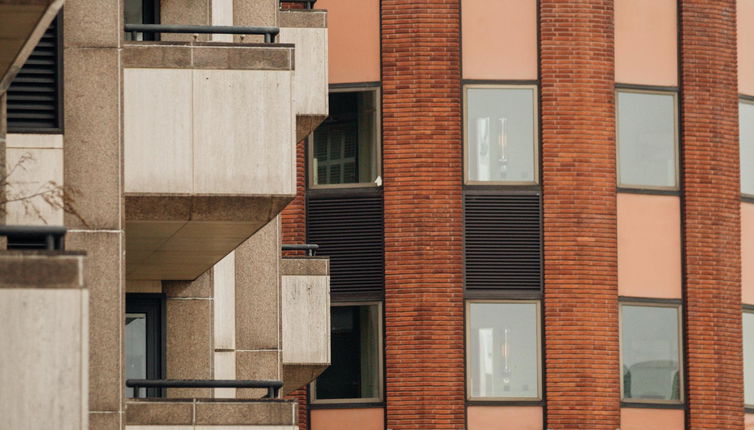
[302,18]
[176,55]
[41,269]
[211,412]
[305,266]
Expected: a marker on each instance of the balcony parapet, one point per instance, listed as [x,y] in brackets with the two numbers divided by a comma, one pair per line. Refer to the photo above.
[306,319]
[242,414]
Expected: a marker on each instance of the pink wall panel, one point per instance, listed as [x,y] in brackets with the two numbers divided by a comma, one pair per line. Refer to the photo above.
[499,39]
[747,253]
[749,421]
[505,418]
[746,47]
[649,246]
[354,39]
[646,40]
[342,419]
[651,419]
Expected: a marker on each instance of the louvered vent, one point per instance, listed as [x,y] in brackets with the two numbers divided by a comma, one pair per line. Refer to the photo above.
[503,242]
[34,95]
[349,230]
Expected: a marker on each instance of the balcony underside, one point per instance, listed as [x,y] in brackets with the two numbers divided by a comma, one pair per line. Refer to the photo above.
[181,237]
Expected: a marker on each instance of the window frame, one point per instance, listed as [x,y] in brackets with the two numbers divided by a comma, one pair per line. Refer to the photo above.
[681,365]
[380,359]
[747,309]
[377,136]
[467,352]
[154,306]
[750,101]
[676,139]
[535,142]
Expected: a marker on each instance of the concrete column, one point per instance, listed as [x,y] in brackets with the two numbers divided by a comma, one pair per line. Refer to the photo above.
[257,303]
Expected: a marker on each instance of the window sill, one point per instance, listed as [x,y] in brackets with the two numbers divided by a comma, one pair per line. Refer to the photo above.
[648,405]
[347,405]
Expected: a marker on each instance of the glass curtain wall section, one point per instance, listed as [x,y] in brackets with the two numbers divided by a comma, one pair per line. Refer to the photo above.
[746,137]
[748,341]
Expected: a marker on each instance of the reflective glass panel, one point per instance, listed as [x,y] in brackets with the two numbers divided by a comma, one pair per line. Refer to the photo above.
[746,131]
[136,350]
[748,326]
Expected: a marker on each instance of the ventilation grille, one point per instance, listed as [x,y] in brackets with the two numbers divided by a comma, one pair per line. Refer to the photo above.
[349,230]
[503,247]
[34,95]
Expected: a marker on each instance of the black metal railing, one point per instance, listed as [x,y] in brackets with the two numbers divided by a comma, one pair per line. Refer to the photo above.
[310,249]
[269,33]
[28,237]
[272,386]
[308,4]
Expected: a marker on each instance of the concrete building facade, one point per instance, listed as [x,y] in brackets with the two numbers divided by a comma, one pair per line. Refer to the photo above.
[552,218]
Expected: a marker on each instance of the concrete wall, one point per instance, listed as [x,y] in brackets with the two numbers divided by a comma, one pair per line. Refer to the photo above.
[44,357]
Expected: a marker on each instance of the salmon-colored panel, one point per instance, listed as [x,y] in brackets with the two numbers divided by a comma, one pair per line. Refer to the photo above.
[341,419]
[651,419]
[505,418]
[649,246]
[354,40]
[746,47]
[747,253]
[646,41]
[499,39]
[749,421]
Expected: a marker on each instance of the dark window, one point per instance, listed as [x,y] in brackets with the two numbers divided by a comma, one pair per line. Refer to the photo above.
[141,12]
[355,350]
[35,95]
[144,340]
[346,145]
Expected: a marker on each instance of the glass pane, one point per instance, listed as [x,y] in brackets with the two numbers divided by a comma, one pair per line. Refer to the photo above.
[355,351]
[748,323]
[345,148]
[650,351]
[746,115]
[646,139]
[500,134]
[136,350]
[504,339]
[134,14]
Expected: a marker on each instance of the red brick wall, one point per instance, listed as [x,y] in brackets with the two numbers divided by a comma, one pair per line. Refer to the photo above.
[578,152]
[423,219]
[711,206]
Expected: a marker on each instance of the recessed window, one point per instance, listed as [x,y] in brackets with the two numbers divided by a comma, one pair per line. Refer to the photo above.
[144,339]
[355,374]
[141,12]
[345,148]
[746,131]
[647,150]
[748,334]
[501,134]
[503,351]
[651,353]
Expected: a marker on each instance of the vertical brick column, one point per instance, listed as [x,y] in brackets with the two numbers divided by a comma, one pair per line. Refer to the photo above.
[293,226]
[711,210]
[423,215]
[580,250]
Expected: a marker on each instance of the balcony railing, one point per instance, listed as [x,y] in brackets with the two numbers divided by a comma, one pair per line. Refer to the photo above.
[308,4]
[269,33]
[272,386]
[310,249]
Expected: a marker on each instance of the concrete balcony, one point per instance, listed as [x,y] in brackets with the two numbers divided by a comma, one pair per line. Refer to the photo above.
[159,414]
[306,319]
[209,149]
[307,30]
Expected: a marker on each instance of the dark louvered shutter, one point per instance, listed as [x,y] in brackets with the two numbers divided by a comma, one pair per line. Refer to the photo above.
[349,230]
[34,96]
[503,242]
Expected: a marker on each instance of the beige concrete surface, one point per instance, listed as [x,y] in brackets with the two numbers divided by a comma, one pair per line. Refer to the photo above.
[306,319]
[189,351]
[34,172]
[93,24]
[224,325]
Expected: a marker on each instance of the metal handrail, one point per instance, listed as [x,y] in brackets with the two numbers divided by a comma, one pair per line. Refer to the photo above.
[311,249]
[309,3]
[270,33]
[273,386]
[53,237]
